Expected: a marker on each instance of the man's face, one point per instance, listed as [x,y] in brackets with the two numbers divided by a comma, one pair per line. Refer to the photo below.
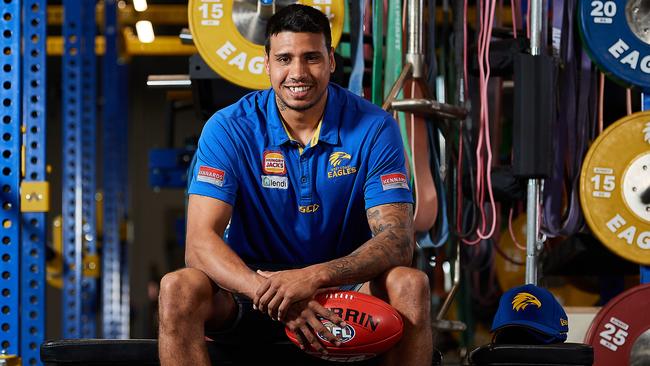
[299,66]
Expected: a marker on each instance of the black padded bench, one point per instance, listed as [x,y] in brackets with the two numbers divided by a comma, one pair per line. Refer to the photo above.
[561,354]
[132,352]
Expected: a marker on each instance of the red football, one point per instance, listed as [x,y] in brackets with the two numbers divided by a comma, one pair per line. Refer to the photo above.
[372,326]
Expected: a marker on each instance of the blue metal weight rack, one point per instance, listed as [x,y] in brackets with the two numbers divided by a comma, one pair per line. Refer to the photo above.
[34,188]
[88,161]
[22,248]
[75,115]
[114,318]
[9,177]
[124,199]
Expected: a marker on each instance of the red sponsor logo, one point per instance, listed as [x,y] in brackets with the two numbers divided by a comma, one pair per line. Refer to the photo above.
[211,175]
[394,180]
[273,163]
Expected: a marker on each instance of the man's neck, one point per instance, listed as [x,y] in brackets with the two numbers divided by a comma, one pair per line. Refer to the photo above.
[302,124]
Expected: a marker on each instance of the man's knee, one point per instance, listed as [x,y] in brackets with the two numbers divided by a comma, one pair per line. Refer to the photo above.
[409,285]
[183,292]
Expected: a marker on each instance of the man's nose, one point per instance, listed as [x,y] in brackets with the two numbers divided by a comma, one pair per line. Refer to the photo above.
[298,69]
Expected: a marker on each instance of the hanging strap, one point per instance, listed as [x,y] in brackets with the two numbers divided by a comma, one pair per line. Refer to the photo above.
[394,68]
[426,198]
[343,48]
[357,15]
[440,232]
[431,61]
[377,51]
[554,185]
[573,123]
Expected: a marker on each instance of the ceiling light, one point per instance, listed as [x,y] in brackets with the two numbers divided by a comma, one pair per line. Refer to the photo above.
[144,29]
[140,5]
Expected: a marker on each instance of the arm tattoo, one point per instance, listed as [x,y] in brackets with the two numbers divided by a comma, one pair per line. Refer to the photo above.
[390,246]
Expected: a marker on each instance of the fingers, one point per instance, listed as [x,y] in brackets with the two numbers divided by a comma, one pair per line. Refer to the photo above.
[272,307]
[327,314]
[260,291]
[283,308]
[265,299]
[323,331]
[311,339]
[265,274]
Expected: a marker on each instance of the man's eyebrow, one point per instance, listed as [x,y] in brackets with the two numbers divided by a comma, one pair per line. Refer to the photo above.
[289,54]
[282,54]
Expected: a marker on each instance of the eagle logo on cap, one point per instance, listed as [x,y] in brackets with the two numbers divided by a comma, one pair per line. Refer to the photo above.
[646,130]
[523,299]
[337,157]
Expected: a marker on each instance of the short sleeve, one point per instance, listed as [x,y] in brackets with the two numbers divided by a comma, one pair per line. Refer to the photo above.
[215,173]
[386,180]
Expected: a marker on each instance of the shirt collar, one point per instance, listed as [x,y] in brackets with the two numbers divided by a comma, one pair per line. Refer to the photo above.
[329,125]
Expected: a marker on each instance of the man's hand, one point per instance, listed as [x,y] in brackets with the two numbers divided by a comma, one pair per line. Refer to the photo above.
[303,320]
[283,288]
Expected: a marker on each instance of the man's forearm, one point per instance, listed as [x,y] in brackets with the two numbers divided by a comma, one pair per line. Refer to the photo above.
[391,246]
[211,255]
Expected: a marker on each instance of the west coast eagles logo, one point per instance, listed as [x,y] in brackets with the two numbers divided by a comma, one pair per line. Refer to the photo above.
[523,299]
[337,157]
[336,168]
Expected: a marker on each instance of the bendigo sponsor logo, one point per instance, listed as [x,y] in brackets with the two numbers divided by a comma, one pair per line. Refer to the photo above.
[336,170]
[211,175]
[309,208]
[523,299]
[274,163]
[394,180]
[275,182]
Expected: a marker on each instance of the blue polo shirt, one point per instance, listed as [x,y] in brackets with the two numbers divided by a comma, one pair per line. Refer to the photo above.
[293,204]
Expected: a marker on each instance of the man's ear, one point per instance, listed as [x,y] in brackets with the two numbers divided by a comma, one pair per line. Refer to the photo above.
[332,60]
[266,64]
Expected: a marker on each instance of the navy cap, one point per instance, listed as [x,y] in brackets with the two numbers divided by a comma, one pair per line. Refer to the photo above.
[532,310]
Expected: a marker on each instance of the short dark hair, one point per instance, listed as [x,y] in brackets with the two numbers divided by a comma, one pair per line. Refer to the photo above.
[298,18]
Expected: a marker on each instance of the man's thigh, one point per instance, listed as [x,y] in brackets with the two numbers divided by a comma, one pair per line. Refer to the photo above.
[191,294]
[378,287]
[247,325]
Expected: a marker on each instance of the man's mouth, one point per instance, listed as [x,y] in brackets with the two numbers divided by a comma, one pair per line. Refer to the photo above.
[299,89]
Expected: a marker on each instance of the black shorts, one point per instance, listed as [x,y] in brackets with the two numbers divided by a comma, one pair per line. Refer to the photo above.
[252,325]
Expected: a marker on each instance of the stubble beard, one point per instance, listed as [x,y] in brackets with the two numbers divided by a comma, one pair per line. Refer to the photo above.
[283,105]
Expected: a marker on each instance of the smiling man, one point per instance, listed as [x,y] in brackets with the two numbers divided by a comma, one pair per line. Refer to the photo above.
[295,189]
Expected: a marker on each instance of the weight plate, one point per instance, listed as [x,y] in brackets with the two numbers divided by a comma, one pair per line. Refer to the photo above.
[615,187]
[511,275]
[620,329]
[616,35]
[229,34]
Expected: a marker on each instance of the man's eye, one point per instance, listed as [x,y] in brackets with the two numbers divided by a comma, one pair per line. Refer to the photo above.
[283,60]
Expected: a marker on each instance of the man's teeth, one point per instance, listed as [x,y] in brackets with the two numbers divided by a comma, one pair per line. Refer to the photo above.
[298,89]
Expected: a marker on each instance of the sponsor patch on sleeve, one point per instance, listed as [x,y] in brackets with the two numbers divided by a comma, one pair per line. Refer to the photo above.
[394,180]
[211,175]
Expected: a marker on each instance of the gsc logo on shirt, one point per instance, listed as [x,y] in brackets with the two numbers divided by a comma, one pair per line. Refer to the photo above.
[309,208]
